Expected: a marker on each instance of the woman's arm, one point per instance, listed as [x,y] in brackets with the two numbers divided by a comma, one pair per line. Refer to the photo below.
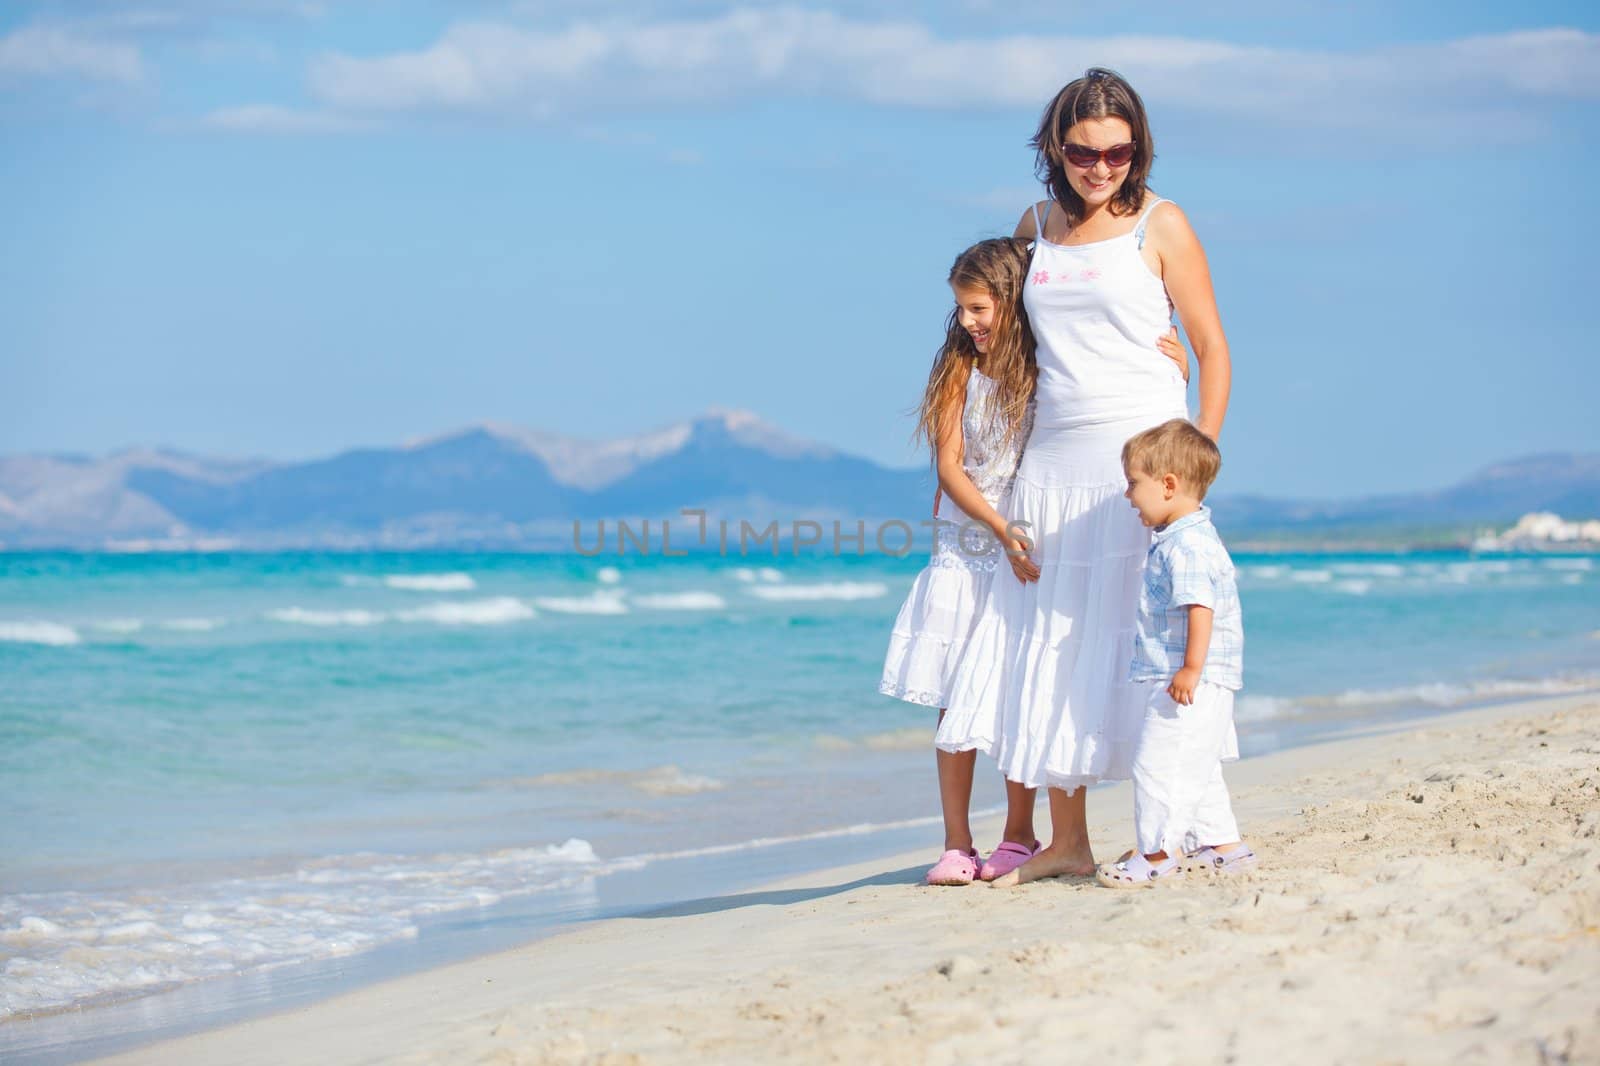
[1025,227]
[1188,281]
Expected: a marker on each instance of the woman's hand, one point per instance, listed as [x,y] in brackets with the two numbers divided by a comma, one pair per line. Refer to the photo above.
[1170,346]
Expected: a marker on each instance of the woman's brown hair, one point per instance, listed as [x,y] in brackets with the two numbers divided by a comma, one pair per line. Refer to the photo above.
[999,266]
[1100,93]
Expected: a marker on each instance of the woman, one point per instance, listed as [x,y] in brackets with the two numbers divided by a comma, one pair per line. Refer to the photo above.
[1043,685]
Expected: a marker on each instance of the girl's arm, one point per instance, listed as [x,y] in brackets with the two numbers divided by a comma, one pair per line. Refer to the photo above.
[953,479]
[956,484]
[1188,281]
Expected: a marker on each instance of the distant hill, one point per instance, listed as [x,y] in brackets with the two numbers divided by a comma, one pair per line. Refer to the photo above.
[1566,483]
[501,486]
[487,485]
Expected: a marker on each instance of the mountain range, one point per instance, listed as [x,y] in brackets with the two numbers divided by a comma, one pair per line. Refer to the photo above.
[507,487]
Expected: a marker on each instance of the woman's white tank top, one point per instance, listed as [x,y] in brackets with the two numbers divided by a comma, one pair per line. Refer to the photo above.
[1097,311]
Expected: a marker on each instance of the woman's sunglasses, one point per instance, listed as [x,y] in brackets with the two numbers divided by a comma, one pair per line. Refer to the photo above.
[1081,155]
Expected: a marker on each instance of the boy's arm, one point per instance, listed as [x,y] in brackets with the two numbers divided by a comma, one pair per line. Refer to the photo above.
[1194,655]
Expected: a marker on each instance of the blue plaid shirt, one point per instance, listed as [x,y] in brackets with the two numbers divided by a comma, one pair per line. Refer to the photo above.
[1188,566]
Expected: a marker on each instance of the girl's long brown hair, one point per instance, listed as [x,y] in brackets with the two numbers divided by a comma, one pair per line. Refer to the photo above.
[999,266]
[1100,93]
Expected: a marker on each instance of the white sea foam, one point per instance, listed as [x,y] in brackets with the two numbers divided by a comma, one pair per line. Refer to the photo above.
[1454,694]
[600,601]
[64,948]
[491,612]
[191,625]
[119,625]
[1433,694]
[655,780]
[1262,709]
[1311,577]
[1569,564]
[750,575]
[608,575]
[826,590]
[1370,569]
[1264,573]
[306,616]
[53,633]
[1355,587]
[452,582]
[681,601]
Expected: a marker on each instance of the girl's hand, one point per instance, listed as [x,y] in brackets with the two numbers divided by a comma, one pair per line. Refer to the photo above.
[1170,346]
[1017,549]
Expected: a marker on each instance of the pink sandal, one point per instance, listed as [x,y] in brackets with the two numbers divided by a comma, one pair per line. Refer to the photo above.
[954,867]
[1007,857]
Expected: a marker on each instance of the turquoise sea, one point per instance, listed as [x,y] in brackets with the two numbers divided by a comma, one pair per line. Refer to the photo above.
[222,765]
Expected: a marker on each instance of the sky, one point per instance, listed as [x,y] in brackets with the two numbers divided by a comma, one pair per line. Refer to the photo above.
[285,228]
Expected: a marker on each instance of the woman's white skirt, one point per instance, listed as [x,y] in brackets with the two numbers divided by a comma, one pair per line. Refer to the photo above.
[1042,684]
[936,620]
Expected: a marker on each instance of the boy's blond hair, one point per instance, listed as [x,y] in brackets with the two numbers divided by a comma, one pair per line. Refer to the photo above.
[1175,447]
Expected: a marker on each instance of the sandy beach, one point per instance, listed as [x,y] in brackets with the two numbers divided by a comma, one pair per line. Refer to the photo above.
[1426,895]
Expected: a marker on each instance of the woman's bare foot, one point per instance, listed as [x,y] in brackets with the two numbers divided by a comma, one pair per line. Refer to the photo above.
[1051,862]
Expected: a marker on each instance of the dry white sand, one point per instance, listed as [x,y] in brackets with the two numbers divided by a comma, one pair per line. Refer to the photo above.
[1431,895]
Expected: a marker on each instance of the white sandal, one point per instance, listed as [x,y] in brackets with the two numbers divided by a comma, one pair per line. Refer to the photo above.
[1212,861]
[1138,872]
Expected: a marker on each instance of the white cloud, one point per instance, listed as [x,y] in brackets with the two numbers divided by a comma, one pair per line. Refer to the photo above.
[613,65]
[266,118]
[61,51]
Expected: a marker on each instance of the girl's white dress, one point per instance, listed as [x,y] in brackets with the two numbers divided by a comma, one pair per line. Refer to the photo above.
[934,622]
[1042,684]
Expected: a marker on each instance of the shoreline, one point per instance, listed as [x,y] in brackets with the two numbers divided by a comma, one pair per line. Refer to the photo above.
[619,983]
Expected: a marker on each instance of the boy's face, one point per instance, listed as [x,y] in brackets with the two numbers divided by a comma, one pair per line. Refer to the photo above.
[1153,497]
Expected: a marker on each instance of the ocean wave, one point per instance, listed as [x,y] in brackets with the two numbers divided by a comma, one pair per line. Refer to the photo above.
[1455,694]
[1569,564]
[1262,709]
[118,625]
[497,611]
[1355,587]
[1264,573]
[1311,577]
[608,575]
[306,616]
[451,582]
[52,633]
[826,590]
[750,574]
[681,601]
[656,780]
[634,862]
[1369,569]
[1438,694]
[192,625]
[63,949]
[598,602]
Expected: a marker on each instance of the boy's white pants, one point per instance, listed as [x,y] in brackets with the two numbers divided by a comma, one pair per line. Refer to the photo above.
[1179,800]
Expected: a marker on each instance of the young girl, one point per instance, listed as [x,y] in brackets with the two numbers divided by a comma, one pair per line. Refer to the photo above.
[976,414]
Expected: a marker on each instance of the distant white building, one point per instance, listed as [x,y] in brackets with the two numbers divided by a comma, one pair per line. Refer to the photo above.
[1542,530]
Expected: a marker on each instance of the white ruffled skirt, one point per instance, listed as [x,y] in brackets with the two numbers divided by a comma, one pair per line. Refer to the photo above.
[935,622]
[1042,684]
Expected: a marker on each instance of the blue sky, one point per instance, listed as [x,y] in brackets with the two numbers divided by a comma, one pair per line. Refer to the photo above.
[284,228]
